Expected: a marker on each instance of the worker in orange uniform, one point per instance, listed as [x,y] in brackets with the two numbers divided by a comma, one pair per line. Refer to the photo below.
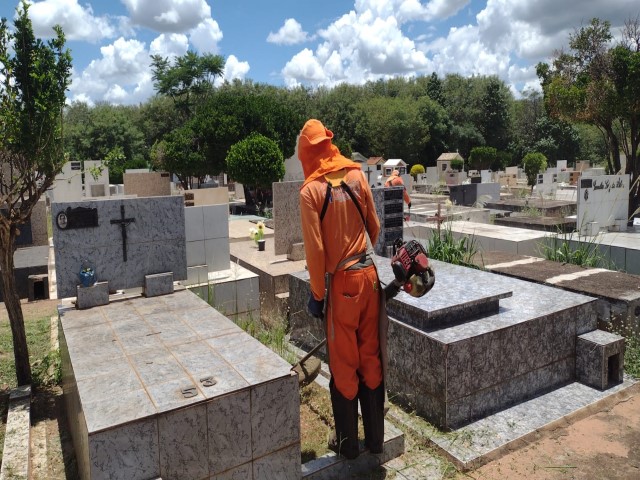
[337,211]
[395,180]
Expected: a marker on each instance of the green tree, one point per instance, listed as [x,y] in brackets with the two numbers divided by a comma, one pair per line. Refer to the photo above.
[256,162]
[494,122]
[596,84]
[189,82]
[34,77]
[416,170]
[533,163]
[482,158]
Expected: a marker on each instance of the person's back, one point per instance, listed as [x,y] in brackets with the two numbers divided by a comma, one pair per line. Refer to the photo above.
[395,180]
[337,212]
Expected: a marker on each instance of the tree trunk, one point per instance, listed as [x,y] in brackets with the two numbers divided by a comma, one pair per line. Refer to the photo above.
[12,303]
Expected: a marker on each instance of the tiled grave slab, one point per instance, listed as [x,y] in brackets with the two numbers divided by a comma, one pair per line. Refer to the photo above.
[454,373]
[168,387]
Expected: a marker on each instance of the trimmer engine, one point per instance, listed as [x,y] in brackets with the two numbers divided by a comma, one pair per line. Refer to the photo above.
[411,269]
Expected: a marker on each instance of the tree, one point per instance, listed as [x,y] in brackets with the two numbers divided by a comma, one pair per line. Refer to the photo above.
[494,120]
[256,161]
[598,85]
[189,82]
[416,170]
[481,158]
[533,163]
[35,76]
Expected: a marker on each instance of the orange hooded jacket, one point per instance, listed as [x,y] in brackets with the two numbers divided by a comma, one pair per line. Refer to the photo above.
[340,235]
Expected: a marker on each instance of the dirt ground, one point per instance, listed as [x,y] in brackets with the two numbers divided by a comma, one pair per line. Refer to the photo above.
[604,445]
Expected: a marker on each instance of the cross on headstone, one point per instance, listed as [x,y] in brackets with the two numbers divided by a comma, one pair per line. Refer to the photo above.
[124,223]
[438,218]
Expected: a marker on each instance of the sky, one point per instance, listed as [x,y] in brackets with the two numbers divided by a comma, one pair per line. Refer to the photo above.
[312,43]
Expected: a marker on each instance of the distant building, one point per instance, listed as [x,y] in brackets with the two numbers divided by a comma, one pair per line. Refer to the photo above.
[372,169]
[443,163]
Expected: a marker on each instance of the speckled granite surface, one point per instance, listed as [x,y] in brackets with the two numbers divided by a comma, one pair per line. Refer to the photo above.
[454,373]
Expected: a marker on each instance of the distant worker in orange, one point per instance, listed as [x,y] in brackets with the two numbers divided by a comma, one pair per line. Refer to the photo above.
[337,211]
[395,180]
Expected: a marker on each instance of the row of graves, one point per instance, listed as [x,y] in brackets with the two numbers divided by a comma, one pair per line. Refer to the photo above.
[160,381]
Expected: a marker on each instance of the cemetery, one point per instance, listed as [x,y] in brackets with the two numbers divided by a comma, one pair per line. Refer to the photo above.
[161,379]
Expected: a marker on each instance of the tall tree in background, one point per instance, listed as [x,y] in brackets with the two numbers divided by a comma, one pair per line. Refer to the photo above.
[597,84]
[494,122]
[35,76]
[189,82]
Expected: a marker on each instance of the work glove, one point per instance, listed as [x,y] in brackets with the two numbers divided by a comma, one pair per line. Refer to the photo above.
[409,205]
[315,306]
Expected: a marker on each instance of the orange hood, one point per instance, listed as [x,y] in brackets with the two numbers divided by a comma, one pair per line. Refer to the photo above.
[317,154]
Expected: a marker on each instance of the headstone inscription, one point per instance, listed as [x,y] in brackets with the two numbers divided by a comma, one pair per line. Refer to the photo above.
[603,202]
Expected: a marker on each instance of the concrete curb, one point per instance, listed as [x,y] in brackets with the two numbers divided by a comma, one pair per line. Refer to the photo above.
[17,441]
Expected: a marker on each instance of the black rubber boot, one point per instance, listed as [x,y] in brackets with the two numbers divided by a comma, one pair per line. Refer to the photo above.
[372,407]
[345,414]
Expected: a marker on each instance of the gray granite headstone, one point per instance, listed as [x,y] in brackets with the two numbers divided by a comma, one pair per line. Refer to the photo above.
[155,242]
[286,216]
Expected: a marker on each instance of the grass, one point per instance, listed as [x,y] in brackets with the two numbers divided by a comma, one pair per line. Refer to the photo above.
[442,245]
[45,364]
[562,248]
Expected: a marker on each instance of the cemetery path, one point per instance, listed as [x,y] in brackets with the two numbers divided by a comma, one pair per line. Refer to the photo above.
[601,446]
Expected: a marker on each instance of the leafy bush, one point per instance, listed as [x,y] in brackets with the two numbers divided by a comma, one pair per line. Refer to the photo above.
[456,164]
[416,170]
[256,161]
[481,158]
[533,164]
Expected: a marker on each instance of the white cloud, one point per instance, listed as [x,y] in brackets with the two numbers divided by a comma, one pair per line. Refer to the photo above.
[169,45]
[206,36]
[122,70]
[233,69]
[290,33]
[168,15]
[410,10]
[303,67]
[77,22]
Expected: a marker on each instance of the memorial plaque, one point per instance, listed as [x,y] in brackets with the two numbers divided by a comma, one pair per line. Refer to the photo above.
[79,217]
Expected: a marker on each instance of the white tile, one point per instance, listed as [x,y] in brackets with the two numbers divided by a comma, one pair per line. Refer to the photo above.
[196,253]
[197,275]
[216,221]
[223,297]
[194,223]
[183,443]
[217,254]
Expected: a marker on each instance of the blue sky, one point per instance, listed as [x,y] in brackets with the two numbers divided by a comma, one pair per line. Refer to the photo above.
[312,43]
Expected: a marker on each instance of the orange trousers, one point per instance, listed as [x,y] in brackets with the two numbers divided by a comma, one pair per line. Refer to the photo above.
[352,330]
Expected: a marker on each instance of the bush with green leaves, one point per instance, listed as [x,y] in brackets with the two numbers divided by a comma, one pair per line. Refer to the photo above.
[481,158]
[255,161]
[457,164]
[416,170]
[533,163]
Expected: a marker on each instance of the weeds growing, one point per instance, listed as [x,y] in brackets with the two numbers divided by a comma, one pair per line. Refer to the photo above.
[443,246]
[581,251]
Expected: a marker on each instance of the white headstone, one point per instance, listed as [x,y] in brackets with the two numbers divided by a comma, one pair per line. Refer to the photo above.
[68,183]
[561,165]
[485,176]
[603,199]
[432,175]
[98,186]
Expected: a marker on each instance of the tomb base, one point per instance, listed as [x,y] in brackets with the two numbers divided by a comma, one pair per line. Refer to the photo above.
[167,387]
[93,296]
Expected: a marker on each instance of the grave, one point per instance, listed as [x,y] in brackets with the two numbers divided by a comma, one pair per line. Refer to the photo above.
[547,207]
[30,265]
[167,387]
[146,184]
[470,194]
[67,186]
[481,344]
[163,386]
[603,203]
[121,239]
[98,186]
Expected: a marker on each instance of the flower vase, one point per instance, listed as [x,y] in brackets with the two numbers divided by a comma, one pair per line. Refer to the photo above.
[261,245]
[87,279]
